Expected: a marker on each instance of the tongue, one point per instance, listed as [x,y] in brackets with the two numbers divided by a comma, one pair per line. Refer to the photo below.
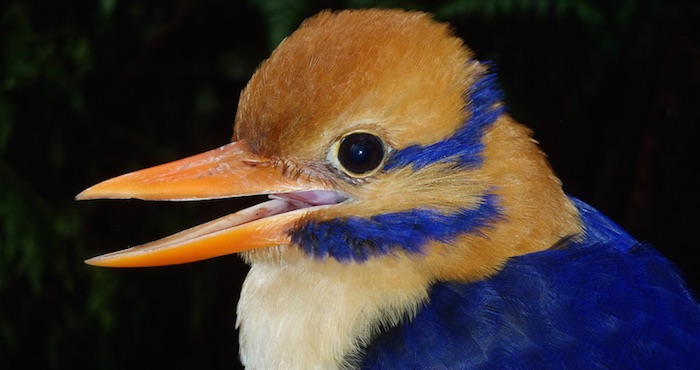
[311,198]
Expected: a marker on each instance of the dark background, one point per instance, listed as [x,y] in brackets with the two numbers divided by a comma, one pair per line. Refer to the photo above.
[92,89]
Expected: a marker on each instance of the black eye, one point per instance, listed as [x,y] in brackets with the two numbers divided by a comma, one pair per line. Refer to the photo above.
[360,153]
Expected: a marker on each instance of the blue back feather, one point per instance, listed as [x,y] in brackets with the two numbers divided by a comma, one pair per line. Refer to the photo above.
[604,301]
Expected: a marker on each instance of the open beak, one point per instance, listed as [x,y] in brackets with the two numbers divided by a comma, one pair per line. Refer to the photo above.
[225,172]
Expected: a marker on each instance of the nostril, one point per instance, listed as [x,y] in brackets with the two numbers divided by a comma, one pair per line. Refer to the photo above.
[257,162]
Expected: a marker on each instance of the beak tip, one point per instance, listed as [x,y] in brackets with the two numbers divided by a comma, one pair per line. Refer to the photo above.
[100,191]
[82,195]
[93,192]
[96,261]
[103,261]
[92,261]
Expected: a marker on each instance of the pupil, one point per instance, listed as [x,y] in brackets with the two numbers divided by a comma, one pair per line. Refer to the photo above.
[360,153]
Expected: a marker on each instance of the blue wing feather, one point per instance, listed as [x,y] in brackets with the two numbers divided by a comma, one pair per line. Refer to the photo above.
[604,301]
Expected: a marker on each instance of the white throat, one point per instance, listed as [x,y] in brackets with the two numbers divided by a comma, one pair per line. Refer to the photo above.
[315,314]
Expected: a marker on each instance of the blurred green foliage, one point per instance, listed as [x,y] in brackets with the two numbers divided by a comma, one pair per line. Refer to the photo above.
[91,89]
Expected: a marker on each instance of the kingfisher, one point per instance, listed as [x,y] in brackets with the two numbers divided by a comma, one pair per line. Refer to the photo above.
[411,223]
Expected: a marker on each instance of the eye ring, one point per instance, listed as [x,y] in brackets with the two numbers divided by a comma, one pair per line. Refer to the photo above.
[359,153]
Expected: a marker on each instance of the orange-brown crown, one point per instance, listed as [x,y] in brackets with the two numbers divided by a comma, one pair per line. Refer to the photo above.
[390,71]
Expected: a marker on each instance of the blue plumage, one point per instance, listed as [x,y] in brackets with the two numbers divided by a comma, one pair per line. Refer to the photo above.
[357,238]
[478,184]
[464,147]
[601,301]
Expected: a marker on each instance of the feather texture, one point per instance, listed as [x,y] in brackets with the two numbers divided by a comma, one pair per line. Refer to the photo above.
[464,147]
[602,300]
[457,248]
[357,239]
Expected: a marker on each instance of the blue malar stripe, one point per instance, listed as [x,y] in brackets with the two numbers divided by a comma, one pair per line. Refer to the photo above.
[357,239]
[464,147]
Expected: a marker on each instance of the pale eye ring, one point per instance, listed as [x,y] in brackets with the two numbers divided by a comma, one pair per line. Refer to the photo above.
[360,154]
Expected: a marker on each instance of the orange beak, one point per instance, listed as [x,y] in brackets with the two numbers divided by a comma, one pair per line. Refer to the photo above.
[229,171]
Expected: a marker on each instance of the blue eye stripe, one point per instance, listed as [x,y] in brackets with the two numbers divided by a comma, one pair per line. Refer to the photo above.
[358,238]
[464,147]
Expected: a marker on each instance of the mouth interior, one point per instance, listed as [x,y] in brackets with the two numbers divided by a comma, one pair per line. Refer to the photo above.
[306,199]
[278,204]
[282,203]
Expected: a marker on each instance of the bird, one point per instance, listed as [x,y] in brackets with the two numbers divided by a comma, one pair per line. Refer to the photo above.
[412,222]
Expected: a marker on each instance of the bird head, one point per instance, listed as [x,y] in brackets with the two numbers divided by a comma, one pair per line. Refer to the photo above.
[378,137]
